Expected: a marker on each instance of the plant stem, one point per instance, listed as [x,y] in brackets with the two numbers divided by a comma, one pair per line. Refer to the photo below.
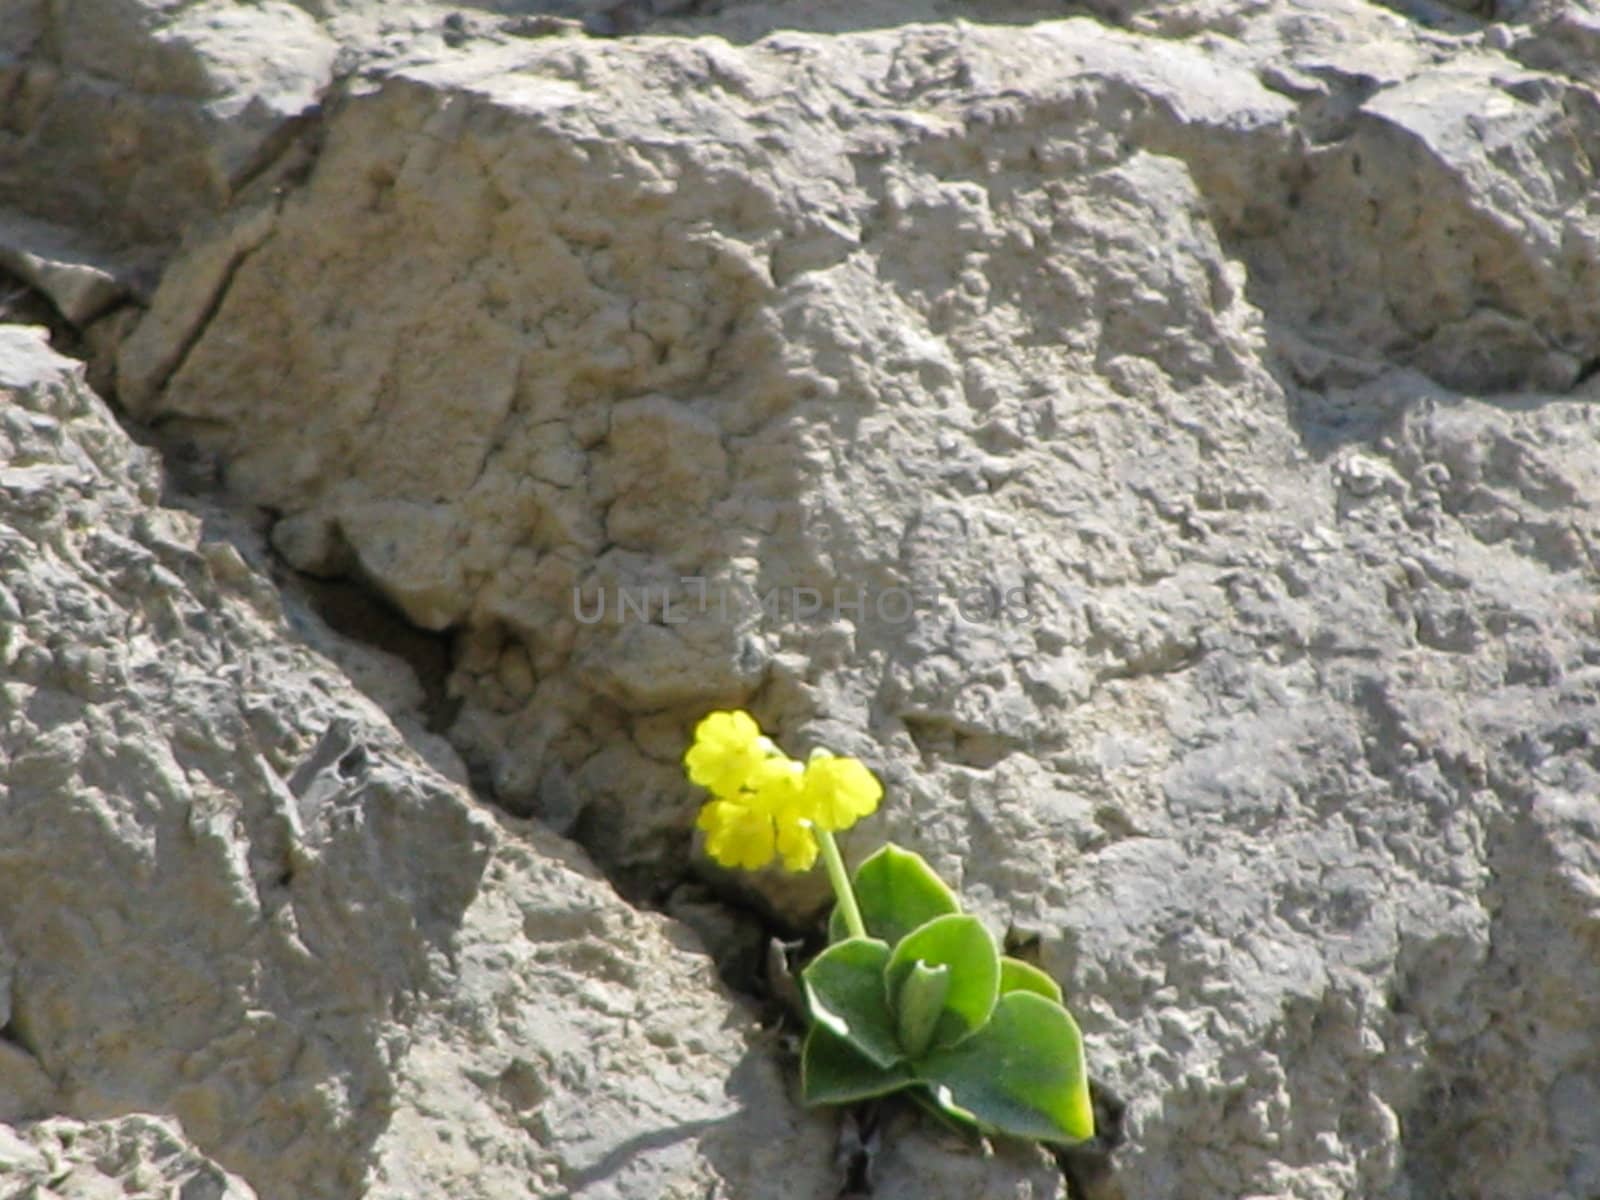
[841,884]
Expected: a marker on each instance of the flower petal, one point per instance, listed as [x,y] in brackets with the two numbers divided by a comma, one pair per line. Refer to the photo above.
[838,792]
[728,749]
[797,844]
[738,836]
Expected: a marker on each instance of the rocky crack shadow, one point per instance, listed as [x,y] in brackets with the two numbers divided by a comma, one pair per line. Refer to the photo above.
[237,928]
[310,857]
[734,928]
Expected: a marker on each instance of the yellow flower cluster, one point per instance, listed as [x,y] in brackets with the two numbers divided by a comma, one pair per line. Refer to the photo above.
[764,804]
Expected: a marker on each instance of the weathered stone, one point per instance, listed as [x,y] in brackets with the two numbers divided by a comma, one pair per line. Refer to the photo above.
[1165,453]
[133,118]
[231,893]
[81,283]
[122,1158]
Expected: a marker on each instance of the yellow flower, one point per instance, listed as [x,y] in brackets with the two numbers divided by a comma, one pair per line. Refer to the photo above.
[778,792]
[737,835]
[766,805]
[797,845]
[728,748]
[838,792]
[762,823]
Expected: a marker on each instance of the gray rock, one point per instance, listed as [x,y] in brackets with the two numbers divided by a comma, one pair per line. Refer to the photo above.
[130,119]
[1165,453]
[233,895]
[80,283]
[134,1157]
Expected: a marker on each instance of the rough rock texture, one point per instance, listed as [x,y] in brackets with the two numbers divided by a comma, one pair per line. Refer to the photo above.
[129,1158]
[1161,440]
[232,894]
[134,118]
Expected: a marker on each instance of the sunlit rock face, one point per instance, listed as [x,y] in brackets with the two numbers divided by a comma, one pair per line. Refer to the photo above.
[1159,439]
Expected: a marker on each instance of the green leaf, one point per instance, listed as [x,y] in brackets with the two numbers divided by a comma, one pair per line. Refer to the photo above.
[961,943]
[921,1003]
[1018,976]
[1022,1074]
[962,1126]
[897,891]
[844,989]
[833,1072]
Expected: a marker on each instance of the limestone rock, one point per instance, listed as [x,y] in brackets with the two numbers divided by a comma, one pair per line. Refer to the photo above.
[130,119]
[1164,451]
[81,283]
[123,1158]
[232,894]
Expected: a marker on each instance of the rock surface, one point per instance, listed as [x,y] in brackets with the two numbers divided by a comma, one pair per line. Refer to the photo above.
[135,118]
[132,1158]
[1161,440]
[231,892]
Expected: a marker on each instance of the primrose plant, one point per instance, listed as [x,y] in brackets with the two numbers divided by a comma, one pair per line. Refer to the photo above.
[910,993]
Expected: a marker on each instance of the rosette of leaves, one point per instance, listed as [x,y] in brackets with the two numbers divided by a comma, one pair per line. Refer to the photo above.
[926,1001]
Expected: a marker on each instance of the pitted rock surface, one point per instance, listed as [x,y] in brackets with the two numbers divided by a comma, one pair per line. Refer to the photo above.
[1159,438]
